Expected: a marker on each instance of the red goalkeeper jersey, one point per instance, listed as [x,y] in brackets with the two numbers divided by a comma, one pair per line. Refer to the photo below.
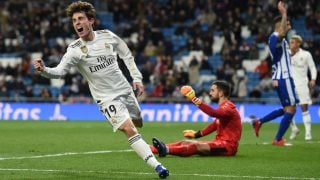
[227,122]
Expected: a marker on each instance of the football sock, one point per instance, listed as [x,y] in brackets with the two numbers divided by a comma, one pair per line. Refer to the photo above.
[307,121]
[143,150]
[293,125]
[284,124]
[274,114]
[183,150]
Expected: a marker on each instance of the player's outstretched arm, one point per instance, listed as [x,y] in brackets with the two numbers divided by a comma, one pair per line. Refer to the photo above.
[191,134]
[283,11]
[190,94]
[53,73]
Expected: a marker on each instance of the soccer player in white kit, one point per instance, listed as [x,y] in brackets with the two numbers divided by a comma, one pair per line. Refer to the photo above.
[94,55]
[301,62]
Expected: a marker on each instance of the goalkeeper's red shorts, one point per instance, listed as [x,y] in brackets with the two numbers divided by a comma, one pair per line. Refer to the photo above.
[222,148]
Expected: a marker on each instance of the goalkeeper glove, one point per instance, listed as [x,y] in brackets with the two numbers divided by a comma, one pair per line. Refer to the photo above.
[190,94]
[191,134]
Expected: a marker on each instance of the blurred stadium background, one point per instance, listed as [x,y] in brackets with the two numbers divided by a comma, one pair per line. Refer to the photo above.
[174,43]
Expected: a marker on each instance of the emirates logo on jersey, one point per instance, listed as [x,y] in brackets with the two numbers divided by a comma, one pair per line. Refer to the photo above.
[104,61]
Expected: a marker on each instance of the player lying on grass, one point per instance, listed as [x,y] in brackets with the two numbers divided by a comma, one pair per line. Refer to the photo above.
[227,125]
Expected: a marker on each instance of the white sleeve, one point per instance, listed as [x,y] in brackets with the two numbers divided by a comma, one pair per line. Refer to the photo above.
[312,67]
[125,54]
[61,69]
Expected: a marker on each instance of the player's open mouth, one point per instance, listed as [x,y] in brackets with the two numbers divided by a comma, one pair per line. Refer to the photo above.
[80,29]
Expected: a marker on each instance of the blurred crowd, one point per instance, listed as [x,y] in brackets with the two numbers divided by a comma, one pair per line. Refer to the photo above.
[158,32]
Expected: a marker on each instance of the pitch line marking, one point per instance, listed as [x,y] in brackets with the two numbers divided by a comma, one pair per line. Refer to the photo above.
[291,143]
[142,173]
[65,154]
[96,152]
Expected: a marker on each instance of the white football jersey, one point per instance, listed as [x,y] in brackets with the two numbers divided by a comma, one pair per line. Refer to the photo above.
[301,61]
[96,60]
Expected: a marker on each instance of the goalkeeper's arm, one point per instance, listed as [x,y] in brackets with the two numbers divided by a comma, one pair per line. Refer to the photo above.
[189,93]
[203,132]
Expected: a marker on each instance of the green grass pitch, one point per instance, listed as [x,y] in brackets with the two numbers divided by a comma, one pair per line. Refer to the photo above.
[90,150]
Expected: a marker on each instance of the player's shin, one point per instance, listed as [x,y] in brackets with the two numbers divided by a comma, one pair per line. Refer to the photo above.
[293,125]
[294,130]
[307,124]
[183,150]
[284,125]
[143,150]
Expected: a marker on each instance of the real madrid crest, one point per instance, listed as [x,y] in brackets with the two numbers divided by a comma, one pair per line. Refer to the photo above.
[106,45]
[84,49]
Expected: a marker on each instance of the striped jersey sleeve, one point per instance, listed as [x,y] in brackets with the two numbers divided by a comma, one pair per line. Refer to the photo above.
[279,52]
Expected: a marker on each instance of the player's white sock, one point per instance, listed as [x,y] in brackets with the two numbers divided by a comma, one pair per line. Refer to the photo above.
[143,150]
[307,124]
[294,130]
[293,125]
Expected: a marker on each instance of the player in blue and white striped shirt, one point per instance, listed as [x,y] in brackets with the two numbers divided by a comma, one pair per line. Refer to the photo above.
[282,78]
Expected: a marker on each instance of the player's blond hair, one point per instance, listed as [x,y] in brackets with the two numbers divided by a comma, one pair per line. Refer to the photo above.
[81,6]
[297,38]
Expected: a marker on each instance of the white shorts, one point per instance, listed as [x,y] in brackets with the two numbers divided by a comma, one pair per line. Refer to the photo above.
[120,109]
[303,94]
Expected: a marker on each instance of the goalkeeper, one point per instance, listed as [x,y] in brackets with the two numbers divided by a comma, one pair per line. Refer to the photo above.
[227,124]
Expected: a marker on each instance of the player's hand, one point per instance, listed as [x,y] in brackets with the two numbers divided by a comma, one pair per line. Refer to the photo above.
[282,8]
[188,92]
[38,65]
[138,86]
[189,134]
[312,83]
[275,83]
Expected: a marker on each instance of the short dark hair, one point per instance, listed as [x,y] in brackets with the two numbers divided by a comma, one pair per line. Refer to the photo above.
[81,6]
[224,86]
[277,19]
